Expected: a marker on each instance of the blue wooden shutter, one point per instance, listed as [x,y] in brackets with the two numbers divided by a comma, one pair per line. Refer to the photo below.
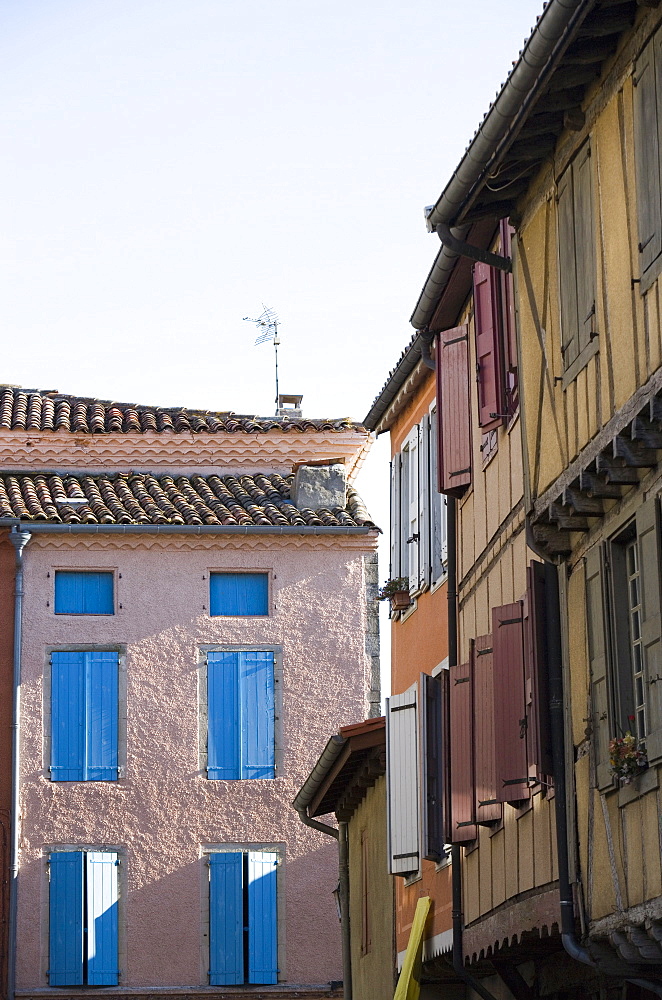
[66,919]
[101,695]
[223,743]
[239,594]
[84,593]
[226,919]
[257,714]
[262,918]
[101,871]
[67,716]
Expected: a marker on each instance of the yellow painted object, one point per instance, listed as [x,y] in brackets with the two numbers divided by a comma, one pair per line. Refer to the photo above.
[409,983]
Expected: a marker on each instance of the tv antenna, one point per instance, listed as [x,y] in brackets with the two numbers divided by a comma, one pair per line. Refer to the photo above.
[267,324]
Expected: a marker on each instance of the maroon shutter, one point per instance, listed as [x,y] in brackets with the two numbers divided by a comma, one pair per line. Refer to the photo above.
[433,847]
[509,703]
[462,826]
[538,732]
[453,411]
[508,321]
[487,321]
[488,806]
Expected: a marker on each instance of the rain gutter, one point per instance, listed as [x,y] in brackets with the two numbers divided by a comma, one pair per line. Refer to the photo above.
[46,527]
[302,801]
[539,57]
[19,539]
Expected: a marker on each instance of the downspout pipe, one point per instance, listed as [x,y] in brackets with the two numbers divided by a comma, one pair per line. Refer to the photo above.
[456,856]
[555,680]
[544,47]
[19,539]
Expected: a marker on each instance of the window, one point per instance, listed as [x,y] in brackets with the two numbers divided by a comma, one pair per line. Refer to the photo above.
[240,714]
[576,257]
[418,511]
[239,594]
[648,168]
[623,621]
[243,918]
[84,715]
[84,593]
[83,918]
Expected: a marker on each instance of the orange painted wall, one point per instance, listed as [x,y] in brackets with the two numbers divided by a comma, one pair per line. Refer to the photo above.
[6,699]
[418,644]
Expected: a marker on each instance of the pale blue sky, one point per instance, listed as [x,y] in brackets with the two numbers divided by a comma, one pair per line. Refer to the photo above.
[168,166]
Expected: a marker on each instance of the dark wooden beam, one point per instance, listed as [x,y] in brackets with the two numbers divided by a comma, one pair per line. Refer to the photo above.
[562,100]
[650,435]
[581,503]
[594,487]
[614,471]
[565,519]
[634,454]
[587,53]
[556,542]
[611,23]
[573,76]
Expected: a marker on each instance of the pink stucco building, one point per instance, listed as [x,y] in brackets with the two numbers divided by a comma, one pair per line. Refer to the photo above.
[197,614]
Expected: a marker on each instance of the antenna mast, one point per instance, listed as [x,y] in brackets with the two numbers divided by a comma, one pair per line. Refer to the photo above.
[267,322]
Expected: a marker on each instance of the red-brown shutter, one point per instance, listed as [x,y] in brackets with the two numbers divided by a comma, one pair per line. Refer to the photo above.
[508,320]
[453,411]
[463,820]
[432,760]
[509,703]
[488,806]
[489,367]
[538,733]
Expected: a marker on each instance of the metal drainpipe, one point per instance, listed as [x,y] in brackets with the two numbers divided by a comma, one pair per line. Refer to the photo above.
[343,881]
[456,857]
[557,726]
[19,540]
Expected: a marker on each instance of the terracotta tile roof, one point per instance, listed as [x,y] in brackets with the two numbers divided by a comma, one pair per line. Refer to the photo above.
[140,498]
[43,410]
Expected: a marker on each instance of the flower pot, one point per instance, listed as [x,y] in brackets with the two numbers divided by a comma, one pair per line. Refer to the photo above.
[400,600]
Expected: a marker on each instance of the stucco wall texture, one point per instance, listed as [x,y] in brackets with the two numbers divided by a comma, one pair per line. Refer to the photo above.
[163,810]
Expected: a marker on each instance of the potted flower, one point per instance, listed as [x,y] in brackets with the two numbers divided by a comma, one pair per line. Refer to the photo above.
[627,757]
[396,591]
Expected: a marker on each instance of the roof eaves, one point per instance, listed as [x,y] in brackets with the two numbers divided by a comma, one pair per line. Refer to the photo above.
[397,377]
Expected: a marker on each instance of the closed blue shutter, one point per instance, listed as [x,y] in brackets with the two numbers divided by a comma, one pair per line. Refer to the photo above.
[223,744]
[83,593]
[257,714]
[84,710]
[101,674]
[67,716]
[66,919]
[226,919]
[101,918]
[239,594]
[262,918]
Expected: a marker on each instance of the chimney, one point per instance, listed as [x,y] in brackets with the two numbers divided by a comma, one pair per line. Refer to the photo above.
[321,485]
[289,406]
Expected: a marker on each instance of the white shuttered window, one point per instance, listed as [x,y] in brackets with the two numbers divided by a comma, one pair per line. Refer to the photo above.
[418,510]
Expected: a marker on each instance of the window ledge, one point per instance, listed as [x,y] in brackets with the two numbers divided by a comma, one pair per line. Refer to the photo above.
[646,782]
[580,362]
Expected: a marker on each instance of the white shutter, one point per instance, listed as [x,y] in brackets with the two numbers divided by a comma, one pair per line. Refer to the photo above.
[412,539]
[424,493]
[395,516]
[403,519]
[402,783]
